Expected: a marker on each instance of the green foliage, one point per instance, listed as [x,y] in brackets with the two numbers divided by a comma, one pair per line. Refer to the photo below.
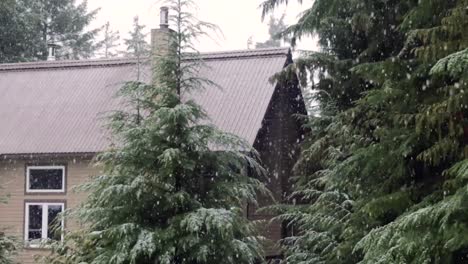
[173,187]
[110,42]
[8,244]
[28,25]
[382,177]
[14,40]
[455,65]
[436,28]
[275,27]
[136,44]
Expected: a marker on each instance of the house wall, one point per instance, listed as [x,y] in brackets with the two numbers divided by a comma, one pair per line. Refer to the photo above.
[12,181]
[278,145]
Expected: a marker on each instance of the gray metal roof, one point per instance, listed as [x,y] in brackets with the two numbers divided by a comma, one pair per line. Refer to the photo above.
[60,107]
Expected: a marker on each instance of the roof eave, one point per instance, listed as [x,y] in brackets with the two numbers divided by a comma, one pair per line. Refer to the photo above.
[56,155]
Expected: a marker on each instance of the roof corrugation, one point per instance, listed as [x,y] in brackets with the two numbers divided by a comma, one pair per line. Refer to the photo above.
[60,107]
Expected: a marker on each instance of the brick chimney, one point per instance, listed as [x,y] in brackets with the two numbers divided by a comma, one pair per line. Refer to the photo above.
[160,42]
[160,37]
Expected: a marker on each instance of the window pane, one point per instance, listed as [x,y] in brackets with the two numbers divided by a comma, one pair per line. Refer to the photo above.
[50,179]
[35,222]
[54,228]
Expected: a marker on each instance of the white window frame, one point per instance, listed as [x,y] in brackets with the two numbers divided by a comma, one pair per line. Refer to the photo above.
[28,174]
[45,223]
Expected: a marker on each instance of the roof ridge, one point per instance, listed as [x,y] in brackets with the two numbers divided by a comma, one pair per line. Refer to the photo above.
[266,52]
[279,50]
[66,63]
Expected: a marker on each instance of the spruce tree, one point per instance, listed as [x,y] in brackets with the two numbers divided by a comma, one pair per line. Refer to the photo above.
[173,187]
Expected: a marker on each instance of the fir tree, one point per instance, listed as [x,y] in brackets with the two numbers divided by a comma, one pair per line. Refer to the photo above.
[28,25]
[16,43]
[174,188]
[437,78]
[275,28]
[137,46]
[110,42]
[382,175]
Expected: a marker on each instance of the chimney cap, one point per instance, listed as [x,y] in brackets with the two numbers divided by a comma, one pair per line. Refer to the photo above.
[164,17]
[52,46]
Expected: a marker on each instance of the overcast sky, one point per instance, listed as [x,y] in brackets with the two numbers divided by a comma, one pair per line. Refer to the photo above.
[238,19]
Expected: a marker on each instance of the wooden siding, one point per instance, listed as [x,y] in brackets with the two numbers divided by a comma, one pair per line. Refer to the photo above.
[12,181]
[278,144]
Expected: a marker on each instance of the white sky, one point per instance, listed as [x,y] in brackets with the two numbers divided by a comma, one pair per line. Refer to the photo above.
[237,19]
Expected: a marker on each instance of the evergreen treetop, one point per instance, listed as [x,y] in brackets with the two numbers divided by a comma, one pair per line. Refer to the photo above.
[275,28]
[109,42]
[137,46]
